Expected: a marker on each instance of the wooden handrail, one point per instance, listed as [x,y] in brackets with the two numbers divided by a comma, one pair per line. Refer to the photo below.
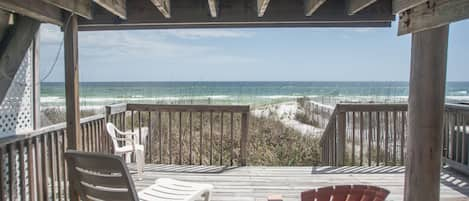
[188,108]
[456,107]
[370,107]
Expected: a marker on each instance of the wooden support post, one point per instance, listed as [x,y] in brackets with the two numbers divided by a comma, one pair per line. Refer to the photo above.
[71,90]
[244,138]
[341,139]
[426,109]
[36,84]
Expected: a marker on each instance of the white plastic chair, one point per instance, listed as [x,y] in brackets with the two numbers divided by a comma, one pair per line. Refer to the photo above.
[106,177]
[129,146]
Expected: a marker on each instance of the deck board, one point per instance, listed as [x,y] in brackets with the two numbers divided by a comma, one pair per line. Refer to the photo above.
[255,183]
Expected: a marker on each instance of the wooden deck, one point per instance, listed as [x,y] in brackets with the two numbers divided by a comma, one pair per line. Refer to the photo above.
[255,183]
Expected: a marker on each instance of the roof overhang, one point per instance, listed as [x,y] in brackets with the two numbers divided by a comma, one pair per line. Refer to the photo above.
[142,14]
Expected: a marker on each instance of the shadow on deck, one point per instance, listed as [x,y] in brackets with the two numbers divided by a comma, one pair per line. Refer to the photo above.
[254,183]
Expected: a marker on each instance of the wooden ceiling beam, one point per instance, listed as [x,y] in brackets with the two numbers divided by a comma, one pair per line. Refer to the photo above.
[262,7]
[402,5]
[79,7]
[312,5]
[163,6]
[116,7]
[213,7]
[355,6]
[13,47]
[427,16]
[35,9]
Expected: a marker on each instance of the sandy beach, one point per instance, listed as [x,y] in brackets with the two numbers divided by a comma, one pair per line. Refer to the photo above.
[286,112]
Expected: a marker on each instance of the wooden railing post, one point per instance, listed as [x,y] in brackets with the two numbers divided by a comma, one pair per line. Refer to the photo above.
[341,129]
[244,138]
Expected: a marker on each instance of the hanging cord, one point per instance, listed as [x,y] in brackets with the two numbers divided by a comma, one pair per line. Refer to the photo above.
[51,68]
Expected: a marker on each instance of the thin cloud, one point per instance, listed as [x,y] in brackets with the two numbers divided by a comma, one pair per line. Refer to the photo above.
[50,34]
[206,33]
[115,46]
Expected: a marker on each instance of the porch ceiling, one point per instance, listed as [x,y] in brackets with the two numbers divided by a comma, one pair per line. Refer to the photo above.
[414,15]
[142,14]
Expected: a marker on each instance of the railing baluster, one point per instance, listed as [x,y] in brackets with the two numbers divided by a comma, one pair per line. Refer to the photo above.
[160,136]
[190,138]
[31,174]
[201,136]
[370,136]
[464,140]
[58,157]
[211,137]
[353,138]
[221,139]
[149,139]
[3,179]
[394,151]
[132,121]
[453,136]
[12,171]
[99,136]
[170,145]
[244,138]
[378,138]
[45,167]
[231,139]
[403,125]
[361,138]
[180,138]
[139,124]
[22,169]
[64,165]
[39,172]
[386,135]
[51,143]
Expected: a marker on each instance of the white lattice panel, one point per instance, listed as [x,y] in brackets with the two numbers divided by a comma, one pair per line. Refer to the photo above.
[16,110]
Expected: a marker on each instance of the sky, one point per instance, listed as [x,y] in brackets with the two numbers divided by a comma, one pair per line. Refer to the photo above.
[264,54]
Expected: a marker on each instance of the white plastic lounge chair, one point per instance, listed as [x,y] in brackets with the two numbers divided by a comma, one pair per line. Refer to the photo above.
[105,177]
[128,146]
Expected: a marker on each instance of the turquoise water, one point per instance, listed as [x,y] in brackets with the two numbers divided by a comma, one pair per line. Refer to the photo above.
[98,94]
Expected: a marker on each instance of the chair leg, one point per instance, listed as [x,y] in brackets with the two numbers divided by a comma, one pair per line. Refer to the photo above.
[140,159]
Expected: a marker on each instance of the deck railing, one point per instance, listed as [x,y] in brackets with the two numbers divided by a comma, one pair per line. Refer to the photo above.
[375,134]
[187,134]
[32,166]
[365,135]
[456,137]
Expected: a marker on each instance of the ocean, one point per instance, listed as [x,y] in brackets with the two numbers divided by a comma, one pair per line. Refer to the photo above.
[95,95]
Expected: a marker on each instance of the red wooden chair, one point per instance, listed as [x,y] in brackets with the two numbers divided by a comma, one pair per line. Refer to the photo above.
[346,193]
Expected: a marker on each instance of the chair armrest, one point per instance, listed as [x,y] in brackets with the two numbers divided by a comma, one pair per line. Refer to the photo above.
[125,133]
[132,142]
